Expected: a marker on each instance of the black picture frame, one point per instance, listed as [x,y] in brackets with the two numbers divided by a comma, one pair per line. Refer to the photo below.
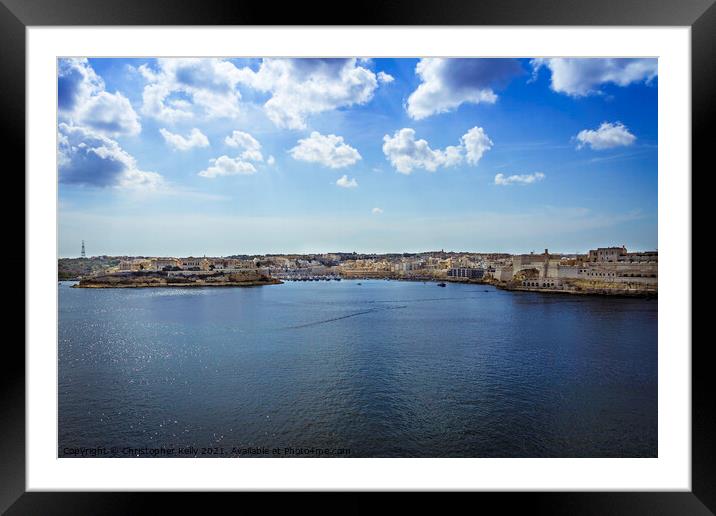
[17,15]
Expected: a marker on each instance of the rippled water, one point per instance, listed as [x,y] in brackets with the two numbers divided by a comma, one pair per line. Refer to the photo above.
[380,369]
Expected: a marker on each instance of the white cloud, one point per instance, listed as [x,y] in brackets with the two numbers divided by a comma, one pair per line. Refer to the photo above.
[182,88]
[327,150]
[226,166]
[519,179]
[607,136]
[406,153]
[377,211]
[109,113]
[476,143]
[344,182]
[447,83]
[385,78]
[579,77]
[195,139]
[88,158]
[82,100]
[138,179]
[76,82]
[252,155]
[270,161]
[248,144]
[300,88]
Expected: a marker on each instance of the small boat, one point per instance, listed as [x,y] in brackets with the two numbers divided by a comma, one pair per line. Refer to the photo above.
[360,283]
[442,285]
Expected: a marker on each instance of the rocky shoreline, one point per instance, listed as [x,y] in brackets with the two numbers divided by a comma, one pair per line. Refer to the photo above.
[255,279]
[162,279]
[577,290]
[611,291]
[192,284]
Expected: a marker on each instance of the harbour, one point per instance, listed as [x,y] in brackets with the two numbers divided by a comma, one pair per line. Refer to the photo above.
[380,368]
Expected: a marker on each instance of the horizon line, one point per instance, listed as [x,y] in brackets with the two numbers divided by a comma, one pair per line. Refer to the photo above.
[377,253]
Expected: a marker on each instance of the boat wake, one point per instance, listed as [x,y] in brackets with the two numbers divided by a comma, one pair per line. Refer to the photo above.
[333,319]
[425,300]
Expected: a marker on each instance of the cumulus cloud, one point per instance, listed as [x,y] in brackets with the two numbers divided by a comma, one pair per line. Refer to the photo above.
[270,161]
[476,143]
[109,113]
[92,159]
[385,78]
[579,77]
[344,182]
[83,100]
[300,88]
[518,179]
[406,153]
[195,139]
[607,136]
[328,150]
[182,88]
[377,211]
[76,82]
[248,144]
[226,166]
[447,83]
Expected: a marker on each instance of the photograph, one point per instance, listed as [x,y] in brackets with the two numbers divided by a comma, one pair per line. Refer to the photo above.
[357,257]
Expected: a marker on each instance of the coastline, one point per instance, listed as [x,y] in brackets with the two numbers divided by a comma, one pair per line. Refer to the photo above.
[595,292]
[115,281]
[599,291]
[163,279]
[192,284]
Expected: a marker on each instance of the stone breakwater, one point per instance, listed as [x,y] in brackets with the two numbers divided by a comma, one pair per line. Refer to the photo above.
[582,287]
[163,279]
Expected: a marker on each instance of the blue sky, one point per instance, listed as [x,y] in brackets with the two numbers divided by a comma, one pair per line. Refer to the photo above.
[220,156]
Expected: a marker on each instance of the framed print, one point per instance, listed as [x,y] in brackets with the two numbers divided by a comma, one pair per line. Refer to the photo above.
[434,248]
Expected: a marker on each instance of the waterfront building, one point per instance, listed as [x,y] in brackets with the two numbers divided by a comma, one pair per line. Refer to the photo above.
[606,254]
[137,264]
[606,265]
[221,264]
[192,263]
[158,264]
[466,272]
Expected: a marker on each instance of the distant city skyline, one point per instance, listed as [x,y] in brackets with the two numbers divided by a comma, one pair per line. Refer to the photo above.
[215,157]
[360,253]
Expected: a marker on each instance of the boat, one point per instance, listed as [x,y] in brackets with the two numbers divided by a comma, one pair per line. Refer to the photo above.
[442,285]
